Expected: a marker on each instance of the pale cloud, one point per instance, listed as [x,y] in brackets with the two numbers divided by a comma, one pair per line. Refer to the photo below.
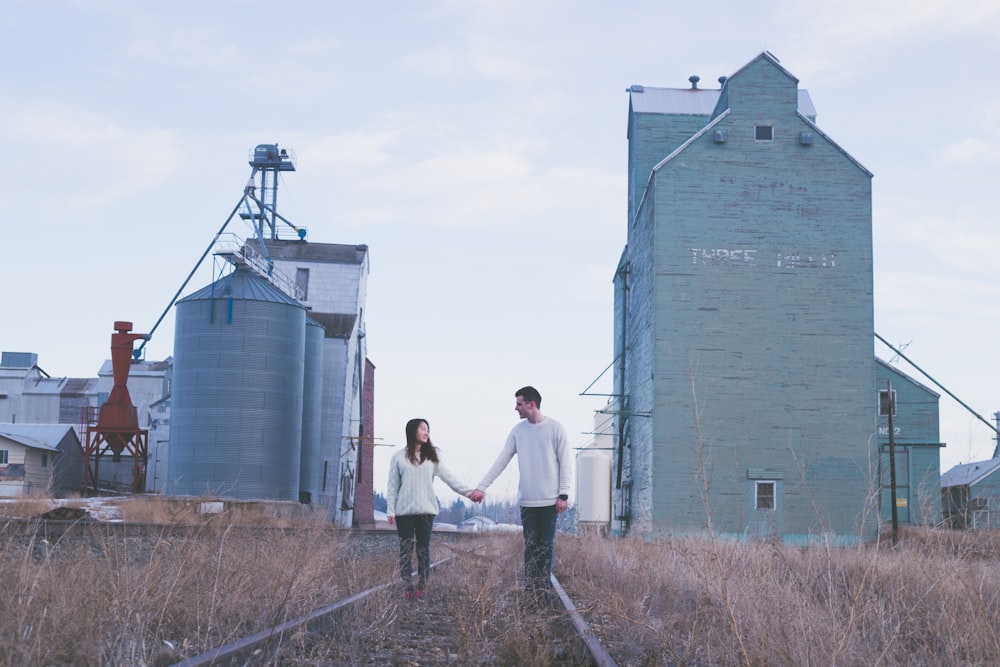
[834,39]
[971,151]
[358,149]
[419,172]
[488,58]
[95,161]
[437,61]
[187,46]
[863,21]
[960,240]
[501,64]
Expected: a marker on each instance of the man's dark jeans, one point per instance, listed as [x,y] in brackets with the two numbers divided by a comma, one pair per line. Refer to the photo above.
[539,534]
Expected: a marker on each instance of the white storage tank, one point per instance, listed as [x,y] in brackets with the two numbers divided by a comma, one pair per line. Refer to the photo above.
[593,504]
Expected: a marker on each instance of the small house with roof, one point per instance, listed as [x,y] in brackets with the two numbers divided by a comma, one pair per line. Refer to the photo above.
[970,495]
[40,458]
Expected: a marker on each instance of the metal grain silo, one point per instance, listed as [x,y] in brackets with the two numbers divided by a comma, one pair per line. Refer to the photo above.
[311,465]
[236,421]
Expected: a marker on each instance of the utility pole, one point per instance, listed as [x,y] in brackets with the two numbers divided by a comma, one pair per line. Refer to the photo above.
[891,408]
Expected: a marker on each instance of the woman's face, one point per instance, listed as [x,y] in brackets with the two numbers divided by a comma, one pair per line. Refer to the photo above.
[423,432]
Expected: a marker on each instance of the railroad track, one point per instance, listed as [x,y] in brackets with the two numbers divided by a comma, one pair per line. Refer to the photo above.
[473,613]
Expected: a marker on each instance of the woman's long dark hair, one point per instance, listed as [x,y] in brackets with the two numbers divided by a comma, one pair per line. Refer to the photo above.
[427,450]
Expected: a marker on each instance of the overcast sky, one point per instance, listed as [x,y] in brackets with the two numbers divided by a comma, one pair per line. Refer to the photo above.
[478,148]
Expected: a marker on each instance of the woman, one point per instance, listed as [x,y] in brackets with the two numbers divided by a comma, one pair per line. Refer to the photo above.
[411,504]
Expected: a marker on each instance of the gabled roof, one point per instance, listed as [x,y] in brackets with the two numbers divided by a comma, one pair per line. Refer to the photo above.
[806,117]
[906,377]
[478,520]
[36,436]
[771,58]
[703,101]
[968,474]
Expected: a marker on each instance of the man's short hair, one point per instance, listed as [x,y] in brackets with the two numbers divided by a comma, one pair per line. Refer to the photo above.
[529,394]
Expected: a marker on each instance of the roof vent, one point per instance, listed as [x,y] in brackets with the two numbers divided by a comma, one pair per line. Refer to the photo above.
[636,88]
[694,79]
[722,80]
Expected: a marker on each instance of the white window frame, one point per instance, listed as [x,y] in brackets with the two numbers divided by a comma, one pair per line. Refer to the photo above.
[760,484]
[879,397]
[756,132]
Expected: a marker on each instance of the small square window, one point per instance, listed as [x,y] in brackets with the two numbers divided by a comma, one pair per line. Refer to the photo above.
[764,496]
[763,132]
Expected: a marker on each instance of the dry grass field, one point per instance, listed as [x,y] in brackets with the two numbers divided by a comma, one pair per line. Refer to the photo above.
[116,599]
[933,599]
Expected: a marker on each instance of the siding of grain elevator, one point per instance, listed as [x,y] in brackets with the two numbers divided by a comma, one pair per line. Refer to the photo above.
[743,318]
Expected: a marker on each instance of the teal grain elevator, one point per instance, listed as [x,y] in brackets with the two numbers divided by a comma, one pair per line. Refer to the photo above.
[745,369]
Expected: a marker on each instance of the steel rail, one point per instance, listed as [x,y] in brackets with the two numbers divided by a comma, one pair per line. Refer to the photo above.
[267,640]
[254,648]
[598,653]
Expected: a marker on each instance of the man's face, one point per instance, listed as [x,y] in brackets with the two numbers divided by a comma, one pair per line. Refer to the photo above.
[523,407]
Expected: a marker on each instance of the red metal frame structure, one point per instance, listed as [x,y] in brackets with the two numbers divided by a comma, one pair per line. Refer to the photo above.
[117,425]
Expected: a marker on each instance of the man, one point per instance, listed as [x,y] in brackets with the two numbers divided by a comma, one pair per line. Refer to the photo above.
[543,492]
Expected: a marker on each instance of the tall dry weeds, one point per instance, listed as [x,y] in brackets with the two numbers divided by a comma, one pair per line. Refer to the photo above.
[114,599]
[932,600]
[111,599]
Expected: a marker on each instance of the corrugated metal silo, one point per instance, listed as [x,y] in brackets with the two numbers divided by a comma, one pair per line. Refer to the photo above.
[311,465]
[236,422]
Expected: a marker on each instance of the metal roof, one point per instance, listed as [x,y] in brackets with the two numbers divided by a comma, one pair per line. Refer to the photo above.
[693,101]
[37,436]
[337,253]
[79,386]
[15,373]
[45,386]
[244,285]
[968,474]
[137,368]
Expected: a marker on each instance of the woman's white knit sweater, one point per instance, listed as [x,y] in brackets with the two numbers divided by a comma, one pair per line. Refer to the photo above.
[411,486]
